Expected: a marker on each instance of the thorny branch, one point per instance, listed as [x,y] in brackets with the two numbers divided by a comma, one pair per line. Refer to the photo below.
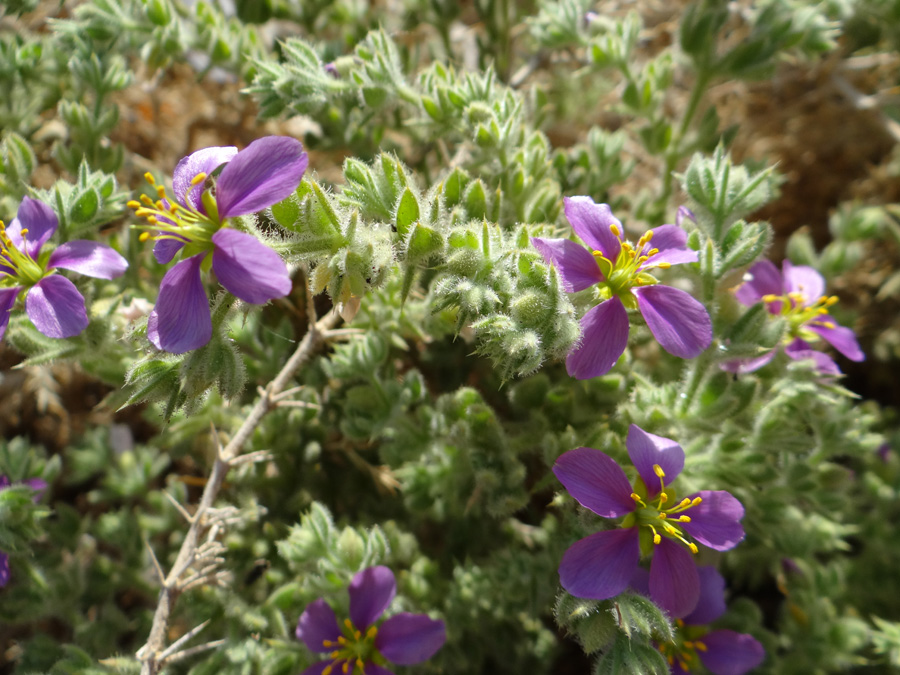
[202,556]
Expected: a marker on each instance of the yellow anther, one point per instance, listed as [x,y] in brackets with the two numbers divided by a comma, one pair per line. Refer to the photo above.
[693,547]
[663,498]
[670,528]
[695,500]
[684,503]
[658,470]
[152,220]
[656,538]
[631,254]
[133,204]
[335,654]
[829,324]
[372,632]
[832,300]
[615,230]
[346,667]
[328,643]
[597,254]
[684,519]
[648,235]
[348,624]
[160,191]
[149,178]
[664,265]
[141,212]
[357,634]
[328,669]
[644,258]
[662,516]
[144,237]
[699,646]
[146,201]
[821,311]
[652,252]
[669,658]
[24,232]
[636,497]
[769,298]
[679,623]
[199,178]
[342,640]
[360,664]
[688,644]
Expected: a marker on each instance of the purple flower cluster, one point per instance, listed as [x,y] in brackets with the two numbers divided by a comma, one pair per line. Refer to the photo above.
[359,644]
[264,173]
[796,294]
[620,272]
[654,523]
[52,302]
[36,484]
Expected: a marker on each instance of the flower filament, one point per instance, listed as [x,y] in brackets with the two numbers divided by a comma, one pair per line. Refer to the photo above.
[796,309]
[660,520]
[683,651]
[352,650]
[627,270]
[169,219]
[16,262]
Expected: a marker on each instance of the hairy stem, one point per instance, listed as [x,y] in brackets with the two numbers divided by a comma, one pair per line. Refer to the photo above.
[152,655]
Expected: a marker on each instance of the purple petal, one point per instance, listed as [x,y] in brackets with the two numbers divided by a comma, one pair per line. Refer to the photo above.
[716,520]
[181,321]
[761,279]
[319,668]
[40,221]
[799,350]
[249,269]
[318,625]
[682,213]
[595,481]
[747,365]
[839,337]
[374,669]
[711,604]
[577,268]
[265,172]
[4,482]
[640,581]
[804,280]
[678,322]
[604,336]
[730,653]
[671,241]
[205,161]
[56,308]
[406,639]
[7,302]
[165,249]
[674,582]
[592,222]
[4,569]
[601,565]
[647,450]
[88,258]
[371,591]
[38,485]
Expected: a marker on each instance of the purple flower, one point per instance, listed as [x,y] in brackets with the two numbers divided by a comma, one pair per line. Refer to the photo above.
[52,302]
[38,486]
[722,652]
[264,173]
[620,273]
[601,565]
[797,295]
[403,639]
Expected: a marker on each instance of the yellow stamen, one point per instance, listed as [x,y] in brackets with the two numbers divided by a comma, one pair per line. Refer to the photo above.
[328,670]
[160,191]
[133,204]
[146,200]
[144,236]
[699,646]
[663,498]
[372,632]
[658,470]
[357,634]
[342,640]
[615,230]
[328,643]
[360,665]
[693,547]
[695,500]
[346,667]
[684,519]
[652,252]
[199,178]
[335,654]
[149,178]
[664,265]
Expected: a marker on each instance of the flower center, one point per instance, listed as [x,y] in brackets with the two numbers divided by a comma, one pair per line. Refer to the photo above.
[169,219]
[662,521]
[352,650]
[796,309]
[627,270]
[683,652]
[17,263]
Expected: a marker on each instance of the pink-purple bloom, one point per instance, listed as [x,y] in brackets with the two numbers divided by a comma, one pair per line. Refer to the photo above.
[358,644]
[52,302]
[36,484]
[722,652]
[264,173]
[796,294]
[620,273]
[655,523]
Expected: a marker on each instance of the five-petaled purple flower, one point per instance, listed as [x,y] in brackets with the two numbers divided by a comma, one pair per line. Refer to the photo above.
[722,652]
[620,271]
[601,565]
[36,484]
[403,639]
[52,302]
[797,295]
[264,173]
